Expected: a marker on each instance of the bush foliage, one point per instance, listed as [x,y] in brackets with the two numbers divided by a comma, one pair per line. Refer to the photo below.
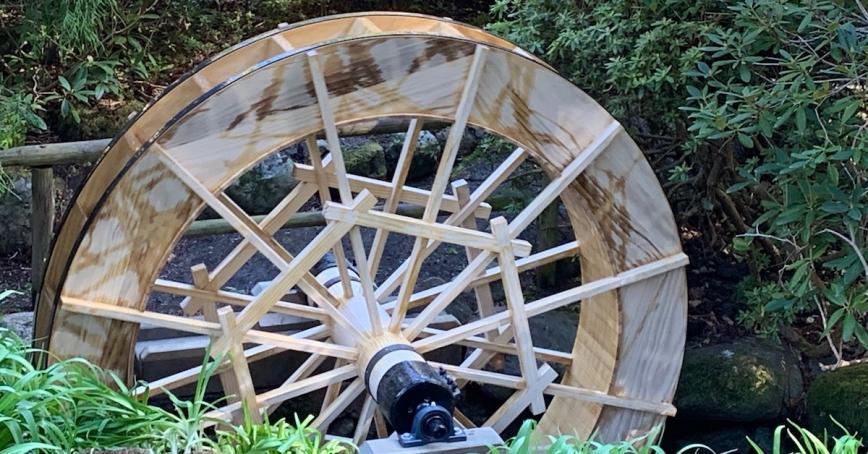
[753,111]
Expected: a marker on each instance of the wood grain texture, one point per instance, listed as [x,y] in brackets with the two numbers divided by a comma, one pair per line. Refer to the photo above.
[118,233]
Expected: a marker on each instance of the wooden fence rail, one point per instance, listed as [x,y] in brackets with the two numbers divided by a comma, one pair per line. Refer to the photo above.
[42,158]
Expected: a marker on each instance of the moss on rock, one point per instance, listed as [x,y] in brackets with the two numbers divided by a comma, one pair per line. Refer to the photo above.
[367,160]
[747,380]
[841,394]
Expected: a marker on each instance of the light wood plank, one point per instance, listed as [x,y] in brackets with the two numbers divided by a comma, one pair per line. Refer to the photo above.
[340,170]
[484,299]
[245,250]
[303,371]
[243,381]
[327,416]
[297,269]
[556,389]
[515,302]
[228,380]
[284,393]
[438,187]
[79,306]
[366,417]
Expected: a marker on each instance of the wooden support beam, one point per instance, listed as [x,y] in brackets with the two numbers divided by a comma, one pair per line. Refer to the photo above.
[327,416]
[79,306]
[423,229]
[228,380]
[558,300]
[503,345]
[41,223]
[515,302]
[366,416]
[240,370]
[303,371]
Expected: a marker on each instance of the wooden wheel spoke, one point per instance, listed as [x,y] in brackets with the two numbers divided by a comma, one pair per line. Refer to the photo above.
[557,389]
[461,214]
[286,392]
[501,344]
[366,417]
[553,302]
[332,411]
[303,371]
[242,252]
[237,299]
[242,383]
[340,171]
[438,187]
[402,169]
[190,325]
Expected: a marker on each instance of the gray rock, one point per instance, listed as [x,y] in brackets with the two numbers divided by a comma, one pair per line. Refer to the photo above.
[20,323]
[744,381]
[15,212]
[260,189]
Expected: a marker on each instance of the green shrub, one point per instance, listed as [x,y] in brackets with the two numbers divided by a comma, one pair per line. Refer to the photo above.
[780,87]
[771,136]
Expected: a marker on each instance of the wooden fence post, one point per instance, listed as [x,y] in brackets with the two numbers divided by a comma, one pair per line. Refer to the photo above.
[42,223]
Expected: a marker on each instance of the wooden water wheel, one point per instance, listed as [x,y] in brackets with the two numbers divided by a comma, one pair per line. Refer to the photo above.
[354,72]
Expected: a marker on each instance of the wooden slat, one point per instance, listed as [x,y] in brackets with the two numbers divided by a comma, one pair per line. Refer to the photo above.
[438,187]
[493,274]
[423,229]
[382,189]
[502,345]
[243,381]
[228,380]
[518,224]
[402,169]
[340,170]
[79,306]
[366,416]
[515,303]
[555,301]
[303,371]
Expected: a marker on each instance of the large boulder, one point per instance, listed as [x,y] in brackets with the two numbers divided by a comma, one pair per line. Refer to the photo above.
[841,394]
[261,188]
[367,160]
[425,158]
[744,381]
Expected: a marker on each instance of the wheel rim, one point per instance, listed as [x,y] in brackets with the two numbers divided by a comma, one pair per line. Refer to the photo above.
[625,360]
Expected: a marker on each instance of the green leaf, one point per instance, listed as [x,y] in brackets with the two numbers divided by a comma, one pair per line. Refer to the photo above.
[849,326]
[745,140]
[805,22]
[862,335]
[849,111]
[801,120]
[694,92]
[64,83]
[744,73]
